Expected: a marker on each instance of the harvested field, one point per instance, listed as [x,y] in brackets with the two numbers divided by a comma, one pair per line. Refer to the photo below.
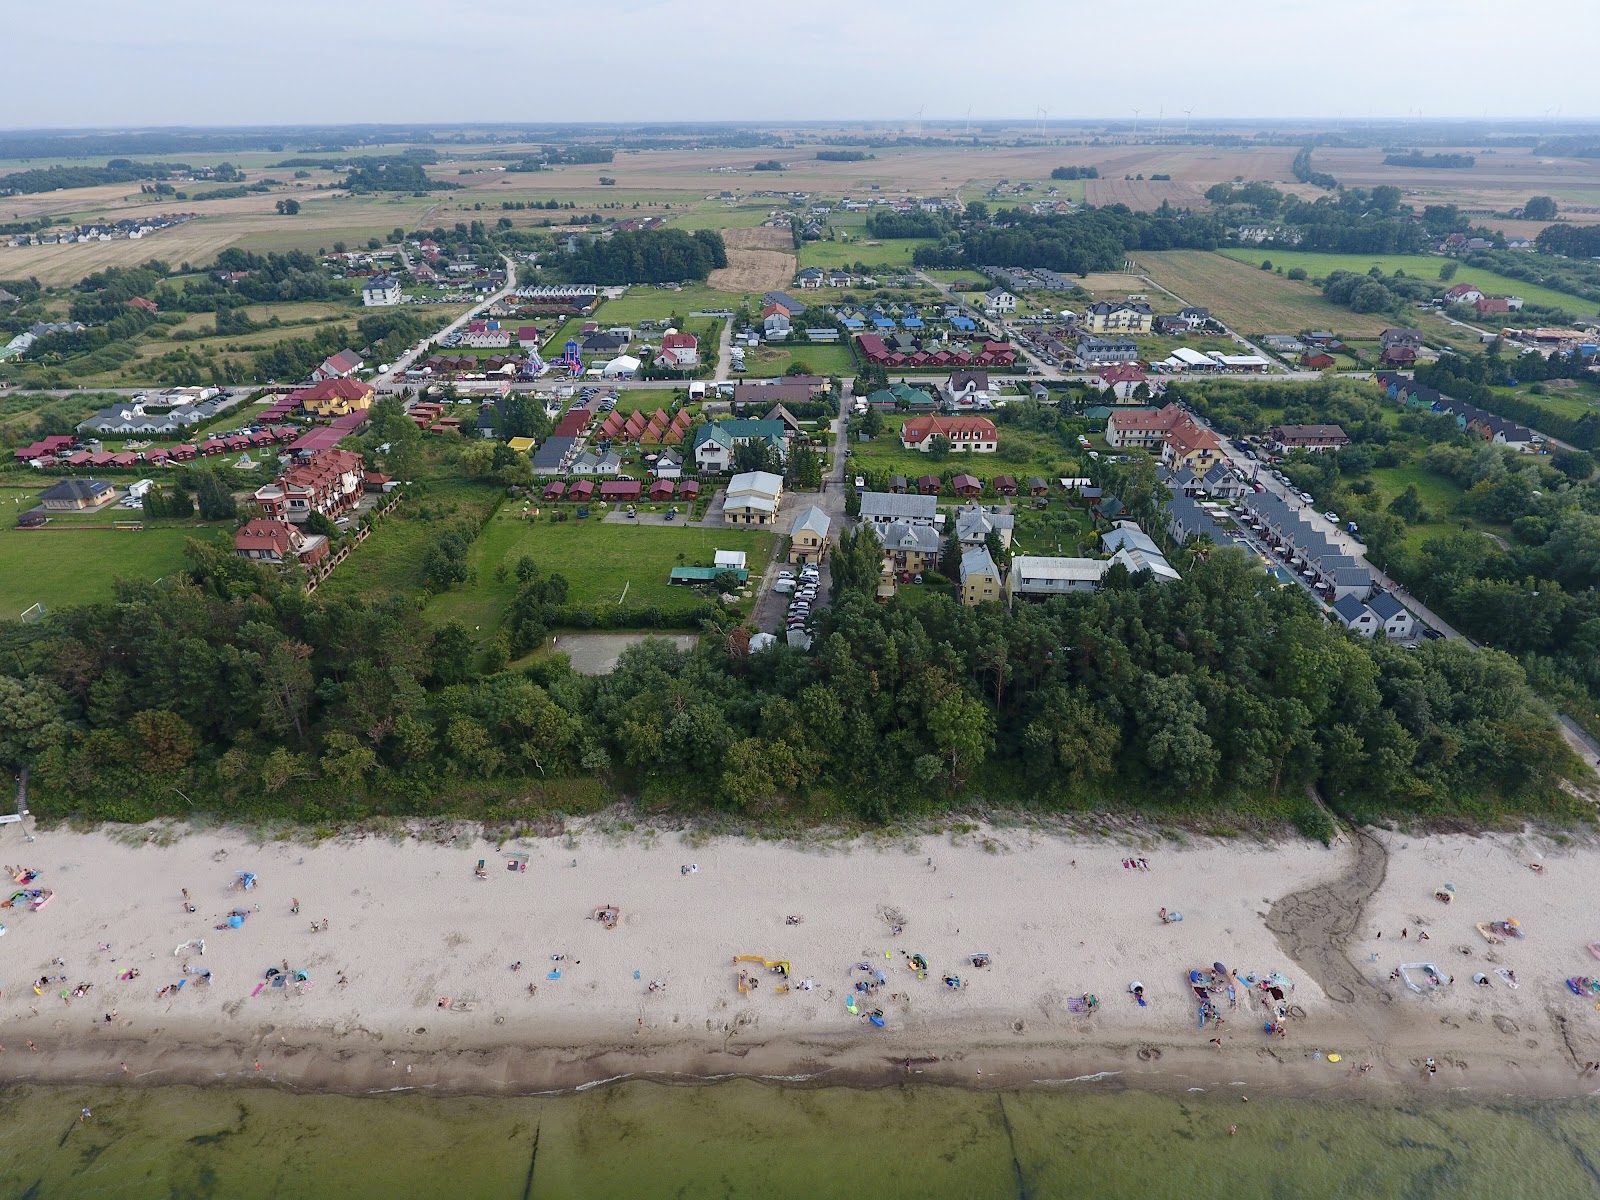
[1250,300]
[759,260]
[1111,286]
[1145,195]
[759,239]
[1500,179]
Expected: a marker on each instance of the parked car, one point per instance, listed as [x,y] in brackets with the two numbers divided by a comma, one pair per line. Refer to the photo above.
[1331,516]
[1432,634]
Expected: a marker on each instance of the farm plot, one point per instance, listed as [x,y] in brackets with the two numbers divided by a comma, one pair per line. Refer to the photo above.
[1251,300]
[759,260]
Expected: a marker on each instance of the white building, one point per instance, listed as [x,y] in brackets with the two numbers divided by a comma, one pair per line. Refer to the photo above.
[381,291]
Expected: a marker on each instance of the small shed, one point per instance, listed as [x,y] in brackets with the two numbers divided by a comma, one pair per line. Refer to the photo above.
[661,489]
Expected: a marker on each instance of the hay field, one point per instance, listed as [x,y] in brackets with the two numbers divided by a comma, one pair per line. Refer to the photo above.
[1501,179]
[1251,300]
[1145,195]
[759,260]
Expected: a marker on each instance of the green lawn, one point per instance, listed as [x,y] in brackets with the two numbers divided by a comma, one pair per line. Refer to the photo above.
[643,302]
[60,568]
[768,361]
[1567,398]
[890,252]
[1057,530]
[390,561]
[603,564]
[1423,266]
[1022,453]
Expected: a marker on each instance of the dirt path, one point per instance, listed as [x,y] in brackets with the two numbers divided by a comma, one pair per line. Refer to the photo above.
[1314,926]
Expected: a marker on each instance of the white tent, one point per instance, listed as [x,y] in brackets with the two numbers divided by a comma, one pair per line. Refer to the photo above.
[621,366]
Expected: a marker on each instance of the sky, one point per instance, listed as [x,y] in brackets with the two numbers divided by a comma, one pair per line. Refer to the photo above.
[205,62]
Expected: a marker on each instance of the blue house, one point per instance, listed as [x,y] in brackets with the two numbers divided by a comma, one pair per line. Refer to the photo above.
[964,324]
[911,322]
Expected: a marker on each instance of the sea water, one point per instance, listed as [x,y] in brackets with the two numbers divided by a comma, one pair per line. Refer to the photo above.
[748,1139]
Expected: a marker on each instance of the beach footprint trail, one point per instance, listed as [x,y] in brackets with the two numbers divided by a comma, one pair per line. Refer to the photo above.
[1315,926]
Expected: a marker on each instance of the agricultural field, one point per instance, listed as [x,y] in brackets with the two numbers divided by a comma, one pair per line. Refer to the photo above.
[759,260]
[1423,266]
[63,567]
[624,565]
[1145,195]
[1251,300]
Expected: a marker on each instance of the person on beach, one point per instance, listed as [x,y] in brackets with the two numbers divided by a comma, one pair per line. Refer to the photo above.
[294,906]
[517,966]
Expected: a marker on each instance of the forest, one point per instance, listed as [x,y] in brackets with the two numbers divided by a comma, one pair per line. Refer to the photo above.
[1216,698]
[1089,239]
[647,256]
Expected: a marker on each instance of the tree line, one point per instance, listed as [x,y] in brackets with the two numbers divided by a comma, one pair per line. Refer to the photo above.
[1220,693]
[1090,239]
[647,256]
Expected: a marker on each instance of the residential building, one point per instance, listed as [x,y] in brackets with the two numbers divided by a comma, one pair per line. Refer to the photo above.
[998,302]
[752,498]
[1122,316]
[1400,336]
[980,578]
[668,465]
[1194,317]
[1129,545]
[972,435]
[1355,615]
[809,277]
[886,508]
[381,291]
[337,366]
[909,548]
[1463,293]
[713,443]
[586,462]
[974,524]
[1039,578]
[334,397]
[1093,351]
[966,388]
[679,350]
[77,495]
[328,482]
[1306,437]
[278,542]
[1124,379]
[1395,618]
[1145,428]
[808,542]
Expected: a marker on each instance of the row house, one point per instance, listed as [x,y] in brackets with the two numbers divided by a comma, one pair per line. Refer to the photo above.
[329,482]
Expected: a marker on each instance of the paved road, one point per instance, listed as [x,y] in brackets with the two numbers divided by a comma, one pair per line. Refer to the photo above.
[386,381]
[725,350]
[1335,534]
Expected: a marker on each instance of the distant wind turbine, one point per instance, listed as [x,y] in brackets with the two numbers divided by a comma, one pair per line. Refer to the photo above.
[1136,124]
[968,132]
[1187,113]
[1043,114]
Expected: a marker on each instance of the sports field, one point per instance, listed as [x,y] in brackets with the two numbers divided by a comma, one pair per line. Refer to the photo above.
[64,567]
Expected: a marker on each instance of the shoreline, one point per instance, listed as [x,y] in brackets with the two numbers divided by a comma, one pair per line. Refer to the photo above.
[411,923]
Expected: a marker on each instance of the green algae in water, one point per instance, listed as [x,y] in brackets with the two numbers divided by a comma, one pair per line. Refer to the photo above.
[745,1139]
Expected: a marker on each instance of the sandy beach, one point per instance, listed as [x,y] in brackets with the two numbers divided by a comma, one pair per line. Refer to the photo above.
[412,984]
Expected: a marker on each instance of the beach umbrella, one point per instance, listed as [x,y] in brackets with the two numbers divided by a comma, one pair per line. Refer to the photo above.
[235,922]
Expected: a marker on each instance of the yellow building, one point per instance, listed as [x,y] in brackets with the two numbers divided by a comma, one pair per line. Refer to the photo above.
[980,578]
[809,541]
[753,498]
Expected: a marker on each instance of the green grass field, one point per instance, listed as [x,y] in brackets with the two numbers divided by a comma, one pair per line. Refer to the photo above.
[765,362]
[1423,266]
[892,252]
[603,564]
[390,561]
[1251,300]
[644,302]
[1567,398]
[61,568]
[1022,452]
